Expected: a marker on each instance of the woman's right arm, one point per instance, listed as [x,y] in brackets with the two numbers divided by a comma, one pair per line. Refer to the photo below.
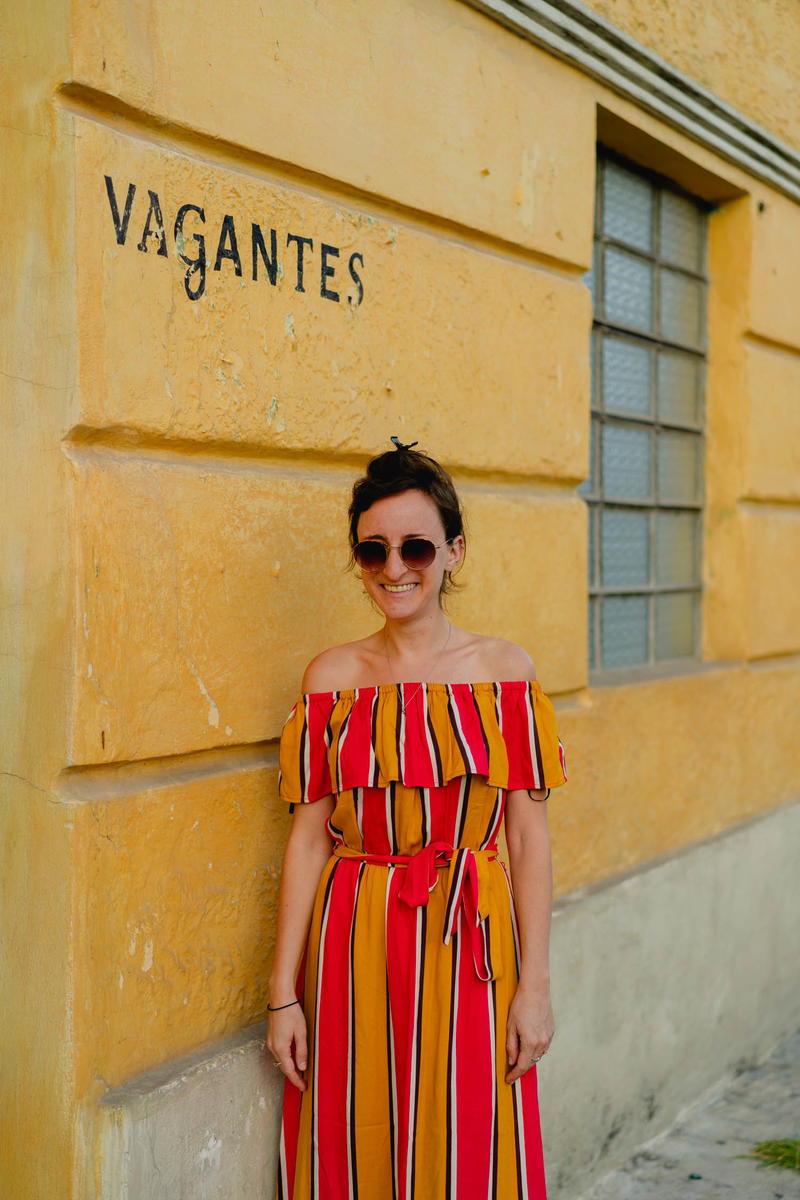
[307,851]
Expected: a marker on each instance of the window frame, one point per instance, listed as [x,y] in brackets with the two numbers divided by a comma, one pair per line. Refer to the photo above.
[596,501]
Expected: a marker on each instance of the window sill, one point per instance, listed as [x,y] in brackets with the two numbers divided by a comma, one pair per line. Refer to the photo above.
[646,672]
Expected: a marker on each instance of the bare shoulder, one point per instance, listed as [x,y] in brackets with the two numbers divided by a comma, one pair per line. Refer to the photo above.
[324,672]
[504,660]
[334,668]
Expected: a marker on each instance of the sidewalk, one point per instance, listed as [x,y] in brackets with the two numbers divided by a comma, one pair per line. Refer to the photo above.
[696,1158]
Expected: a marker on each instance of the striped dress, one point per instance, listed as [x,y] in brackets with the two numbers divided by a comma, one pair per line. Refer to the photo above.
[412,955]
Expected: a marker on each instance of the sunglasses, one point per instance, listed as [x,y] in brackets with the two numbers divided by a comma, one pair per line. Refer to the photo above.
[416,552]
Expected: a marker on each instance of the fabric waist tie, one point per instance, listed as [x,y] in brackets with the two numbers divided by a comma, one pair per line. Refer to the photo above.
[470,892]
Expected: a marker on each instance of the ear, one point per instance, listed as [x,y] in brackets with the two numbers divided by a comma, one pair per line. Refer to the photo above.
[455,553]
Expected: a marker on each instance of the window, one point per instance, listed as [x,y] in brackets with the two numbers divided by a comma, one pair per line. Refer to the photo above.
[645,490]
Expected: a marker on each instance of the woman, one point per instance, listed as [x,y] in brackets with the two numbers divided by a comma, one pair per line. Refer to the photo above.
[423,987]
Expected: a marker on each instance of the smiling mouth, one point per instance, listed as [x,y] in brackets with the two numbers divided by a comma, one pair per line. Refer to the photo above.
[400,587]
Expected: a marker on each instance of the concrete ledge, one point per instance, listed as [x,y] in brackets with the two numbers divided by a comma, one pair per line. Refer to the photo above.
[203,1127]
[664,981]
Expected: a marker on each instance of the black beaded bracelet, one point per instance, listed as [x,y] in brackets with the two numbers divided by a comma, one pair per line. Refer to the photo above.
[280,1006]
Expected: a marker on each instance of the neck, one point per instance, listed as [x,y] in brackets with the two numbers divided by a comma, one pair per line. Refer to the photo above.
[418,638]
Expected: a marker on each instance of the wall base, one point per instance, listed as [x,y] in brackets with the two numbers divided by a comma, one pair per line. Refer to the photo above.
[202,1128]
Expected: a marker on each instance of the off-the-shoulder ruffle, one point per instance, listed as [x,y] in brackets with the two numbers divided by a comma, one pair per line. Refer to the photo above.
[360,737]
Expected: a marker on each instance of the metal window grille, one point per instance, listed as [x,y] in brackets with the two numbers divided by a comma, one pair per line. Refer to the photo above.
[645,489]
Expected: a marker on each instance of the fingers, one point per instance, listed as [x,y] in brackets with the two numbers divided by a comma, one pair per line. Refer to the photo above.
[301,1050]
[512,1045]
[287,1044]
[290,1071]
[285,1063]
[523,1051]
[527,1057]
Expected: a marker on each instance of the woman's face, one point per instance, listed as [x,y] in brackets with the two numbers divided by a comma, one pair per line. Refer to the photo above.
[398,591]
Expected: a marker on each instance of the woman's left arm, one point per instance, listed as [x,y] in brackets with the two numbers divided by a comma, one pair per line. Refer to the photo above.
[530,1018]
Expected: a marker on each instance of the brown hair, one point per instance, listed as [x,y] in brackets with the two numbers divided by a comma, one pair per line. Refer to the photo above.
[401,470]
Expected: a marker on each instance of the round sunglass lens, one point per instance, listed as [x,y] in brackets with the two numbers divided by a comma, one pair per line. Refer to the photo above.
[418,553]
[370,555]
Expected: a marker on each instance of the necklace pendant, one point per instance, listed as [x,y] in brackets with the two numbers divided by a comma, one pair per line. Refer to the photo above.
[401,686]
[405,703]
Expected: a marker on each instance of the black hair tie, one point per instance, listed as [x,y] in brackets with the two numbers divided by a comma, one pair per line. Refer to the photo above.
[399,445]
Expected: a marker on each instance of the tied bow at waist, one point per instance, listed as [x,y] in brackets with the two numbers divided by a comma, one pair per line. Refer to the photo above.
[469,892]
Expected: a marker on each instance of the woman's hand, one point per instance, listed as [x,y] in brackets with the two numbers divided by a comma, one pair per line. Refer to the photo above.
[530,1030]
[308,849]
[287,1043]
[530,1018]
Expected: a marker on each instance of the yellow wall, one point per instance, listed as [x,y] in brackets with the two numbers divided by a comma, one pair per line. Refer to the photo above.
[181,526]
[745,53]
[37,352]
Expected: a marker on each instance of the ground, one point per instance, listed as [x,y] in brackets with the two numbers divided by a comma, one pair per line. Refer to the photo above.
[697,1158]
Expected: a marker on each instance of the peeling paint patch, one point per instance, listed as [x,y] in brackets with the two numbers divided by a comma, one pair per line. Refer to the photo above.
[210,1156]
[524,194]
[229,372]
[213,711]
[147,960]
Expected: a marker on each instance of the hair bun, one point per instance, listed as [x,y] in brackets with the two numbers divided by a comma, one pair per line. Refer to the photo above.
[399,445]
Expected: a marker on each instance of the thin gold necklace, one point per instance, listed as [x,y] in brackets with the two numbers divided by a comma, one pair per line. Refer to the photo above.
[405,703]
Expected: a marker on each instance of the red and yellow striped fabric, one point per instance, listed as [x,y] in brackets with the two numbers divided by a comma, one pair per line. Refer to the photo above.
[412,955]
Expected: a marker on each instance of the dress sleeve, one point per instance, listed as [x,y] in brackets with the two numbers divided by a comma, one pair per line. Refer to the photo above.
[535,752]
[304,774]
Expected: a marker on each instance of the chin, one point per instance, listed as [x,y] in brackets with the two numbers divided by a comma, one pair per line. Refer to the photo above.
[397,604]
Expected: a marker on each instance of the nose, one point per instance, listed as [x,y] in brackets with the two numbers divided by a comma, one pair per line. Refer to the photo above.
[395,568]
